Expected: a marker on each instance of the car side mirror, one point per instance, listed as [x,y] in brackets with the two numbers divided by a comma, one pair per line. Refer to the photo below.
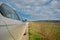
[24,20]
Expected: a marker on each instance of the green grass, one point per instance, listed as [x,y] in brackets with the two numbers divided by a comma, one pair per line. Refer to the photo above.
[33,35]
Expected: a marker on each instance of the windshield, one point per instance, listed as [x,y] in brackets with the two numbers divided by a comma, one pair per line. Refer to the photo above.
[9,12]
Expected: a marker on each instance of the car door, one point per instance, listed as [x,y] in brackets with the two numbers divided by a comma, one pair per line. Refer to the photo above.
[4,34]
[15,26]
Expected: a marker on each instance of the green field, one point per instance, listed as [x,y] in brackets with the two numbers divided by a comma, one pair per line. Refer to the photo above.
[44,31]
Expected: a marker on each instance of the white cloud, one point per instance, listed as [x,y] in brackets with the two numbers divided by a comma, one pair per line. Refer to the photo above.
[39,9]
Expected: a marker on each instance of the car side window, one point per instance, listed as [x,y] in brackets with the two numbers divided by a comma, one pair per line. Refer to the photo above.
[9,12]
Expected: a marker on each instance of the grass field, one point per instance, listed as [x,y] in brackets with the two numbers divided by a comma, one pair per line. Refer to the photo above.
[44,31]
[33,35]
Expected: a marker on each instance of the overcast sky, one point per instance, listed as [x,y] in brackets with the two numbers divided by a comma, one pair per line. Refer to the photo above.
[36,9]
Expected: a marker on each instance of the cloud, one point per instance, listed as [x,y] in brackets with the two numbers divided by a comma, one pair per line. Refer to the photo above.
[39,9]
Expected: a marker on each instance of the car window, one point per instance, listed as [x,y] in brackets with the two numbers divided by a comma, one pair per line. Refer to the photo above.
[9,12]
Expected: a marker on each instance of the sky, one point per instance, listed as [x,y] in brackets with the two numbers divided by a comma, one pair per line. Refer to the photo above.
[36,9]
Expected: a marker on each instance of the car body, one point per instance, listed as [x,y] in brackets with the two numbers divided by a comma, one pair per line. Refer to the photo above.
[11,26]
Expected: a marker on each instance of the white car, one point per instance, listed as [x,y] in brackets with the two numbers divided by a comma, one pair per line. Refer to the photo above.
[11,26]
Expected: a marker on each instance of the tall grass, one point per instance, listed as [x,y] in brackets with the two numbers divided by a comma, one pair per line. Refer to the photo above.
[44,31]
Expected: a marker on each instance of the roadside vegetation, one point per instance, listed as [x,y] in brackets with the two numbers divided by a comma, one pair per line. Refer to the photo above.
[44,31]
[33,35]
